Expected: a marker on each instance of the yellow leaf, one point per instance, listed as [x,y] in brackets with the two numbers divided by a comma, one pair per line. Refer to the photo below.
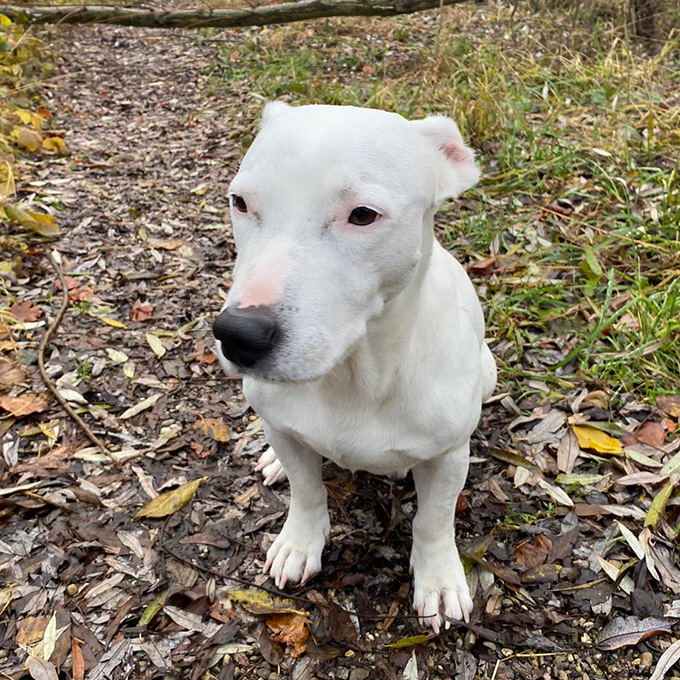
[5,20]
[156,345]
[170,502]
[153,608]
[596,440]
[27,138]
[214,428]
[113,322]
[55,145]
[410,641]
[261,602]
[24,115]
[45,225]
[656,509]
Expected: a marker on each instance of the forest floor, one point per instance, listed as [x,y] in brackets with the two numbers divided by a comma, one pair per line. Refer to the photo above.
[568,524]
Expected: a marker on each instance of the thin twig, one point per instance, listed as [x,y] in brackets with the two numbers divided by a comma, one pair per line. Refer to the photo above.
[41,361]
[273,591]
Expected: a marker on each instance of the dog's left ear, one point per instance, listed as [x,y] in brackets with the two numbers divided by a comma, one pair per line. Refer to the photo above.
[457,169]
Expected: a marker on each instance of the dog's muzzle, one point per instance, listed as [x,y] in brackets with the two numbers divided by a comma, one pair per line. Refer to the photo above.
[246,335]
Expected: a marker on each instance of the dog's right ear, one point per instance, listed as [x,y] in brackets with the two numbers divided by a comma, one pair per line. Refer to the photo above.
[272,110]
[457,170]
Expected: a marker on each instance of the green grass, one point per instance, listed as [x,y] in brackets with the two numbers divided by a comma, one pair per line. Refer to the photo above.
[577,130]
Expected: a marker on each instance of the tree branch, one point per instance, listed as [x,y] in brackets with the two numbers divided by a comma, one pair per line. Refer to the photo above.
[288,12]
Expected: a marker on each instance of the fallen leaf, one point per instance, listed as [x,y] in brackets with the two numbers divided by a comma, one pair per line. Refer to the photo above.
[10,374]
[214,428]
[77,661]
[656,509]
[651,433]
[168,244]
[558,495]
[153,608]
[31,630]
[410,641]
[41,669]
[670,405]
[141,406]
[25,311]
[532,553]
[411,670]
[112,322]
[580,479]
[44,225]
[632,540]
[591,438]
[156,345]
[261,602]
[23,406]
[55,145]
[116,356]
[668,659]
[625,631]
[568,452]
[170,502]
[141,312]
[291,630]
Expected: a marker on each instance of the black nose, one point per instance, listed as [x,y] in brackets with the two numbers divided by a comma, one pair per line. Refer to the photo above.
[247,335]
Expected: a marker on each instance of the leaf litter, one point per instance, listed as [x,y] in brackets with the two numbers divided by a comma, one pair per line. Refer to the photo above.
[551,524]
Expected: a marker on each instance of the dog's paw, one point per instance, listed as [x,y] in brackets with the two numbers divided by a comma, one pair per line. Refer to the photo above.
[440,590]
[270,467]
[295,555]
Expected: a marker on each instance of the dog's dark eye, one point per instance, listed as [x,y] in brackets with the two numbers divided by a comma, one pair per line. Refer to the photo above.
[363,216]
[239,203]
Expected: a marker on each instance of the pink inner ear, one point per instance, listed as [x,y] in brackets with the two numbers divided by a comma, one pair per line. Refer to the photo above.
[455,153]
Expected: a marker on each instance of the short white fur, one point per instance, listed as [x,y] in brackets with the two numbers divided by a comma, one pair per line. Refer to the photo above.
[383,366]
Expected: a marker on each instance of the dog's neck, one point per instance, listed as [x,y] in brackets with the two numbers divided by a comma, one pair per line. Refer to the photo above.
[374,363]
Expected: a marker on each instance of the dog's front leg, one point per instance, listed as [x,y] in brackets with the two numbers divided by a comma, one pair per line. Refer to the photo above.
[439,584]
[295,555]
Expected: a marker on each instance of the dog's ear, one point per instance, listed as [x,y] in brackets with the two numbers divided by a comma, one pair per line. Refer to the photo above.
[272,110]
[457,169]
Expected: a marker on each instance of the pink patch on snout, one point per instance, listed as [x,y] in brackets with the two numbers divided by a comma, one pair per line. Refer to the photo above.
[267,281]
[455,152]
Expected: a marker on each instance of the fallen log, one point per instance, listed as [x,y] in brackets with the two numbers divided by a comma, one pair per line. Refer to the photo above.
[284,13]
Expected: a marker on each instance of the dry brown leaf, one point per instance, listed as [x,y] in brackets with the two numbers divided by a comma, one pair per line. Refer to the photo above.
[23,406]
[214,428]
[171,501]
[31,630]
[291,630]
[567,452]
[141,312]
[77,661]
[41,669]
[532,553]
[591,438]
[651,433]
[25,311]
[167,244]
[9,374]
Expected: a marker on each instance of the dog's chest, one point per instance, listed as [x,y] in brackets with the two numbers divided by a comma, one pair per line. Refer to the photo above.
[356,433]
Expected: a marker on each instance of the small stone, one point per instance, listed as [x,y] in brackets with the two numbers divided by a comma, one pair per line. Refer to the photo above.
[646,659]
[359,674]
[71,589]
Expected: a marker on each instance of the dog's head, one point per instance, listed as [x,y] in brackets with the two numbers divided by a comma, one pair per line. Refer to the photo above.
[332,211]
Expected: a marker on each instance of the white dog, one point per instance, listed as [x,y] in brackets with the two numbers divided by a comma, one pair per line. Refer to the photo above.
[359,337]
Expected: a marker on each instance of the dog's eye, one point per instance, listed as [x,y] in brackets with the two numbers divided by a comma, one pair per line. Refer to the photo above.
[239,203]
[363,216]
